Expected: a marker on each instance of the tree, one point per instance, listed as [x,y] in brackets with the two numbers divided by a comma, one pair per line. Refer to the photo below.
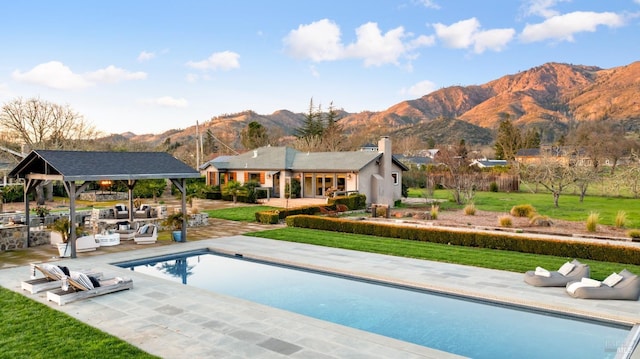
[209,142]
[234,188]
[601,142]
[254,136]
[460,180]
[41,124]
[332,135]
[312,124]
[508,141]
[552,174]
[45,125]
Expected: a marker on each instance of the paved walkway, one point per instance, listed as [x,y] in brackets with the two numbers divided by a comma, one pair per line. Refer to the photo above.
[175,321]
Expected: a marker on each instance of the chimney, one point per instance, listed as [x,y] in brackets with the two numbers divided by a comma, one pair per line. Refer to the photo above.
[385,169]
[255,153]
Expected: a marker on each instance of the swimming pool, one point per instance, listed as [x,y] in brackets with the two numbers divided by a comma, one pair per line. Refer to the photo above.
[466,327]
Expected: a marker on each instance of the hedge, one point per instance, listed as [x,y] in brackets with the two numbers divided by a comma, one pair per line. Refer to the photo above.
[563,248]
[353,202]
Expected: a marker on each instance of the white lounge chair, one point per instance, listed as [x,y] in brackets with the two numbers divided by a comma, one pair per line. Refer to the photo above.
[52,277]
[80,286]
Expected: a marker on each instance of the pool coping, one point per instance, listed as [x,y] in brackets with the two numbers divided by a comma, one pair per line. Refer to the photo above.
[150,317]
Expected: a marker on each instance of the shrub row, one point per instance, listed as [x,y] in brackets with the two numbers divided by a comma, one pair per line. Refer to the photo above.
[352,202]
[499,241]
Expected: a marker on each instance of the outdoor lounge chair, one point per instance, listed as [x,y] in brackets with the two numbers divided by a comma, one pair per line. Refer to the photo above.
[144,211]
[79,286]
[146,234]
[569,272]
[623,286]
[120,211]
[52,277]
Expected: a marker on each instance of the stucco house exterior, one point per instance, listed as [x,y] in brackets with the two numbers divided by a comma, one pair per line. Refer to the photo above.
[376,174]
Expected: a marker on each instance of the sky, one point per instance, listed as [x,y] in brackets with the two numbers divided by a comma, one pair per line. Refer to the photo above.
[147,66]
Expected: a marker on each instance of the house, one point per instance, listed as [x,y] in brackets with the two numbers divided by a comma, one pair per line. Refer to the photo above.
[376,174]
[485,163]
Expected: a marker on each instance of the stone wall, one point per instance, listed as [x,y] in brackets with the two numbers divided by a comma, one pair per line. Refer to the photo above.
[13,237]
[104,196]
[39,238]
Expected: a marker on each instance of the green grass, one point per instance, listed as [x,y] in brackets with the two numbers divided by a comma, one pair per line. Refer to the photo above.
[32,330]
[477,257]
[569,208]
[241,214]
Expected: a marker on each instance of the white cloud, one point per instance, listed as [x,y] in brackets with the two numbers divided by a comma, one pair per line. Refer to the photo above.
[375,48]
[52,74]
[421,88]
[226,60]
[429,4]
[318,41]
[112,75]
[192,78]
[541,8]
[458,35]
[4,90]
[466,33]
[55,74]
[166,101]
[321,41]
[146,56]
[495,40]
[563,27]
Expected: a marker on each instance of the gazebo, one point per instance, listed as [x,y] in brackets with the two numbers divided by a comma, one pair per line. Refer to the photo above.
[76,169]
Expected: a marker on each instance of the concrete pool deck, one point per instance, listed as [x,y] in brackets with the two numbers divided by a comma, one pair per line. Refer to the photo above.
[175,321]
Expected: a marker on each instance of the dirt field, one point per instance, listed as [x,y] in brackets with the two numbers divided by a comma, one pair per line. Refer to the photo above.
[457,218]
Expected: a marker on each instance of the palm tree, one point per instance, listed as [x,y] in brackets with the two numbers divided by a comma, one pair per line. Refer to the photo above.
[233,188]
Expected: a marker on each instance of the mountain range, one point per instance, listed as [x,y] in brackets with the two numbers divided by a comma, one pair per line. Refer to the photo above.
[549,98]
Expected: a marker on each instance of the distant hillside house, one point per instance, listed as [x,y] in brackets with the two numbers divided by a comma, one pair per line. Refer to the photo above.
[484,163]
[376,174]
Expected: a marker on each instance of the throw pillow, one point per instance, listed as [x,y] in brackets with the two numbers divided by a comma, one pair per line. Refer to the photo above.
[566,268]
[613,279]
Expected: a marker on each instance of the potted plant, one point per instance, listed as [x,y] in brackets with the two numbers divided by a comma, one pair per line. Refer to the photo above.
[42,212]
[62,226]
[175,221]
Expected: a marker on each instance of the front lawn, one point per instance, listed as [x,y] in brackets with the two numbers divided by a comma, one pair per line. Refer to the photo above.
[477,257]
[241,213]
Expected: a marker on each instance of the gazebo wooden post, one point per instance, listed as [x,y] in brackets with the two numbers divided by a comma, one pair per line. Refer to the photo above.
[181,184]
[71,189]
[28,187]
[130,185]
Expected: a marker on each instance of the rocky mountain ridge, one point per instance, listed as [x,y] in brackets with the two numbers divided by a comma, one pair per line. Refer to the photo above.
[549,98]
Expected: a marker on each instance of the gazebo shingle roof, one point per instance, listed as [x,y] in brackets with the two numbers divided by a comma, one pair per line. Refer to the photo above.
[95,165]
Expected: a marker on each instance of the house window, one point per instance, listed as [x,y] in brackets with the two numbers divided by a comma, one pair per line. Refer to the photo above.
[395,176]
[254,177]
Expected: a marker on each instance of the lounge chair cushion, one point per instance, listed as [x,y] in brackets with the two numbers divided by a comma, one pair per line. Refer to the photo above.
[542,272]
[556,279]
[82,279]
[566,268]
[613,279]
[57,271]
[584,282]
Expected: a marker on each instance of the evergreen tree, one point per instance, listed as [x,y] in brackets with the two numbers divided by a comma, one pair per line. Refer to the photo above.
[254,136]
[508,141]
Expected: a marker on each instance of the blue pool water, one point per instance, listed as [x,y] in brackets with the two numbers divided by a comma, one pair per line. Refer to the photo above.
[465,327]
